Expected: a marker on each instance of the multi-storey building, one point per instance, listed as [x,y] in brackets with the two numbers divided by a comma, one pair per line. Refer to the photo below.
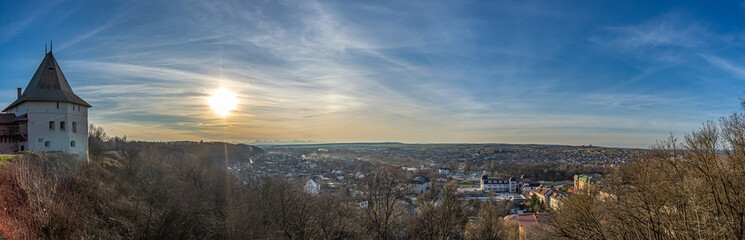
[509,185]
[586,183]
[47,116]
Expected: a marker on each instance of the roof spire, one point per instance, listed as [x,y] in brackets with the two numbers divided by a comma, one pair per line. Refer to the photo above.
[51,47]
[48,85]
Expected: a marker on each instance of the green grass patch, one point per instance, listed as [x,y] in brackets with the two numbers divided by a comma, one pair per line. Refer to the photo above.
[470,183]
[5,157]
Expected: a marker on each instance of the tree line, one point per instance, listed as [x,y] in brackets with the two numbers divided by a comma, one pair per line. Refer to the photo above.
[542,171]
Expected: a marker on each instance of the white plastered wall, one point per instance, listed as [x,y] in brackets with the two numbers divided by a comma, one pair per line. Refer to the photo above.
[39,131]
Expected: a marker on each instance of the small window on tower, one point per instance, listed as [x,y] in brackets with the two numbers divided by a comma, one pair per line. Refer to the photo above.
[62,126]
[51,125]
[72,143]
[57,105]
[47,144]
[74,127]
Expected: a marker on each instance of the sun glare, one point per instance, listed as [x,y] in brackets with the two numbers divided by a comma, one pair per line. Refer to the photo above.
[223,101]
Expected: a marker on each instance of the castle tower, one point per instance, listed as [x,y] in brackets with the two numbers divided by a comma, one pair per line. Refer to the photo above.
[47,116]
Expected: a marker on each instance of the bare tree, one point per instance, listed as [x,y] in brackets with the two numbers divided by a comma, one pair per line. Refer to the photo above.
[490,224]
[382,196]
[684,190]
[129,155]
[96,139]
[336,217]
[444,219]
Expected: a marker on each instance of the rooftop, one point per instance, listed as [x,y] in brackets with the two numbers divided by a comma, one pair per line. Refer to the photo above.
[48,85]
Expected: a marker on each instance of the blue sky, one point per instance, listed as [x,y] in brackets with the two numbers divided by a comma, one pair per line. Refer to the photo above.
[613,73]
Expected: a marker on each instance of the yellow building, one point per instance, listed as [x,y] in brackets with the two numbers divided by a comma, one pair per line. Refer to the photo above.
[586,182]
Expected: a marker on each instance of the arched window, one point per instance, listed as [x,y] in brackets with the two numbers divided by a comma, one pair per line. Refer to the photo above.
[74,127]
[72,143]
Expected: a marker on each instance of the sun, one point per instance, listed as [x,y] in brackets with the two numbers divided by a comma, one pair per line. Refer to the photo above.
[223,101]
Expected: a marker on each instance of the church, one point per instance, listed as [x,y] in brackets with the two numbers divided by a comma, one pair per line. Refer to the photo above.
[47,116]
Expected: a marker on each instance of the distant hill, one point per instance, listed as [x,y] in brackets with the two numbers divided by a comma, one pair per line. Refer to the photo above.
[337,145]
[483,146]
[216,151]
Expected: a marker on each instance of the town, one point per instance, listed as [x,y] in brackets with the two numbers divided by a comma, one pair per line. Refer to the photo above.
[341,168]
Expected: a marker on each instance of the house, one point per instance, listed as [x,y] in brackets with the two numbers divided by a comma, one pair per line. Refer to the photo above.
[527,222]
[47,116]
[442,180]
[507,185]
[527,185]
[444,171]
[543,194]
[419,185]
[556,198]
[312,187]
[606,196]
[495,184]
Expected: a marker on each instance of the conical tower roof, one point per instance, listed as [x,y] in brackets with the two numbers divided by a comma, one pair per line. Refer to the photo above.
[48,85]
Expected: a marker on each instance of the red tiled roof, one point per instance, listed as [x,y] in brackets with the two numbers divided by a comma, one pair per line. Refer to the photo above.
[527,221]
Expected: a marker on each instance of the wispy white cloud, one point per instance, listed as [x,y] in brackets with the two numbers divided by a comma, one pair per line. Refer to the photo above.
[668,30]
[333,71]
[723,64]
[671,38]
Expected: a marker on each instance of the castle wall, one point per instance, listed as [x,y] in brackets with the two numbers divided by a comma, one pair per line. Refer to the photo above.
[7,144]
[45,138]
